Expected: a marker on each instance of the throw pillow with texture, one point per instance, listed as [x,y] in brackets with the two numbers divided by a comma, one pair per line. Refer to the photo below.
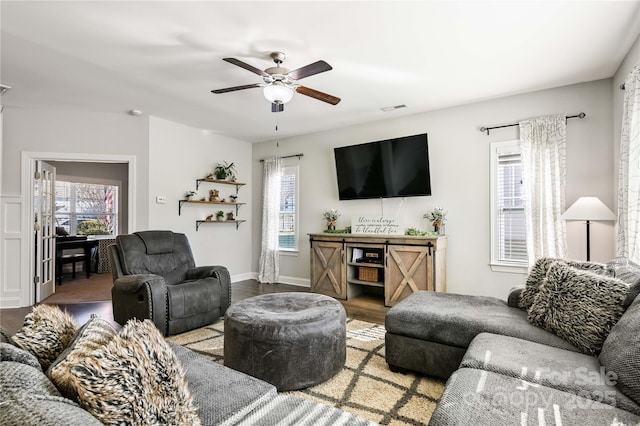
[136,379]
[629,272]
[578,306]
[93,335]
[46,332]
[539,271]
[621,352]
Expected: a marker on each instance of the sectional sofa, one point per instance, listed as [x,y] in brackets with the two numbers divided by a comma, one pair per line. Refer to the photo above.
[563,350]
[53,374]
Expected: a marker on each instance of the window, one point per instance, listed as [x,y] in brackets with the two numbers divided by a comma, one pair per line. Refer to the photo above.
[288,236]
[508,228]
[87,208]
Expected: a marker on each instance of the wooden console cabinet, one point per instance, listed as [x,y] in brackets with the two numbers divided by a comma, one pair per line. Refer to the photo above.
[408,264]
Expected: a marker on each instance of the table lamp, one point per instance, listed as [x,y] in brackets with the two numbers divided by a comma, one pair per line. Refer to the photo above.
[588,209]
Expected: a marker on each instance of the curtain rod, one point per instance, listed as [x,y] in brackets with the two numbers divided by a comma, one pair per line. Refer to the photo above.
[486,129]
[289,156]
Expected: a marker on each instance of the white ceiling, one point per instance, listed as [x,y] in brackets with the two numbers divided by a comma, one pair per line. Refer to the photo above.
[164,57]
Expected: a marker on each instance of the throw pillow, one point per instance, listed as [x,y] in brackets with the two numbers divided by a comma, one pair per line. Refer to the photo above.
[579,306]
[46,332]
[621,352]
[539,271]
[91,336]
[9,352]
[629,272]
[136,379]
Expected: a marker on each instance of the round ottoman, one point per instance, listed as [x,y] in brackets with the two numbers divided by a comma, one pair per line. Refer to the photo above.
[291,340]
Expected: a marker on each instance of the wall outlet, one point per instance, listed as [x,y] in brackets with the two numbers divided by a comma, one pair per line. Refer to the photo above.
[161,199]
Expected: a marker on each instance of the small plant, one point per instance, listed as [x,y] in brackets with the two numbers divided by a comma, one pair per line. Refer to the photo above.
[437,215]
[219,214]
[331,215]
[92,227]
[224,171]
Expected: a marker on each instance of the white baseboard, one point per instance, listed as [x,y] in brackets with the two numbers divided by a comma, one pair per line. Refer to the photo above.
[300,282]
[243,277]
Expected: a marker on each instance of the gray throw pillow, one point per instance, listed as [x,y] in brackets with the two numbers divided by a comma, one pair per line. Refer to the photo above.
[629,272]
[621,352]
[539,271]
[578,306]
[137,379]
[9,352]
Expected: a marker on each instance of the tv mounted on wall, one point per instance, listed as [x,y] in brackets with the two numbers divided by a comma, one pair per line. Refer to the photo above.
[388,168]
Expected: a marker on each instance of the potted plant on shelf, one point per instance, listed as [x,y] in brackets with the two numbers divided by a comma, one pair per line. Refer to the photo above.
[190,195]
[219,215]
[437,216]
[224,171]
[331,216]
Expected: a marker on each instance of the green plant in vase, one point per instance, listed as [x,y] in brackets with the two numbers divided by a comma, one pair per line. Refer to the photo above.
[219,215]
[437,217]
[224,171]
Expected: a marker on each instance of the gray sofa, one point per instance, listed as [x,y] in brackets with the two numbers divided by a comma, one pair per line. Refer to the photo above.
[221,395]
[503,370]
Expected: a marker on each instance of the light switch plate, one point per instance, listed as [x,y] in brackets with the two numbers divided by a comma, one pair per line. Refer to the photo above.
[161,199]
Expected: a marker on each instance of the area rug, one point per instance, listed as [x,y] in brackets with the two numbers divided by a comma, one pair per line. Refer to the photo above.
[365,386]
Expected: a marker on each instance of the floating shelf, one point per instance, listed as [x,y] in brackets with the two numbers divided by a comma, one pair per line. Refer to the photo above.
[224,182]
[200,222]
[181,202]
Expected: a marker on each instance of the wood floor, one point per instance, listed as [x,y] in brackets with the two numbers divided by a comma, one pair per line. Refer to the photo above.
[82,306]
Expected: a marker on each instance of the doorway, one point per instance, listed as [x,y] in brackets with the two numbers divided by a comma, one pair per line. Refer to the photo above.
[29,166]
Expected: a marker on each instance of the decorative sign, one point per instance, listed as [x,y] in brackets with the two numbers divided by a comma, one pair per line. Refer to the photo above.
[376,225]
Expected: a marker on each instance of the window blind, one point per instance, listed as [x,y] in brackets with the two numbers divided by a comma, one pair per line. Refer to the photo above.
[87,208]
[512,240]
[288,209]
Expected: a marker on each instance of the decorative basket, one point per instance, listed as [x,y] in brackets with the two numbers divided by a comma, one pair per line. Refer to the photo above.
[368,274]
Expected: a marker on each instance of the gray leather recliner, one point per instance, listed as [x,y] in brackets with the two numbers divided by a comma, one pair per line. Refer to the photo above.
[155,277]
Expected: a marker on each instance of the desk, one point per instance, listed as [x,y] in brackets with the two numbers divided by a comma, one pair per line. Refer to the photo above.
[86,245]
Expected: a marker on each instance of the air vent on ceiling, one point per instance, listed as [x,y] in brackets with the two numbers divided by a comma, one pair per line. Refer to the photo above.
[391,108]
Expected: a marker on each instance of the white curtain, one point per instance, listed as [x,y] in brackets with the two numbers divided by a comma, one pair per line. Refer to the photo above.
[543,146]
[629,171]
[269,257]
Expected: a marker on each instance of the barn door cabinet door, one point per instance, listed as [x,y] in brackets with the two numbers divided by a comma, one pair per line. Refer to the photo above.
[409,269]
[328,269]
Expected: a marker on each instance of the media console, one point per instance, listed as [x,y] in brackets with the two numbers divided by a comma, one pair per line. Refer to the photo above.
[382,269]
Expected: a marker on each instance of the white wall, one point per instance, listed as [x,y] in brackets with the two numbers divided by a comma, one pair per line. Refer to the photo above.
[59,131]
[459,155]
[178,155]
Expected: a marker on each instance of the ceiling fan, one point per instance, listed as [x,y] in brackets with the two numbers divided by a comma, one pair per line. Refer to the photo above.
[280,83]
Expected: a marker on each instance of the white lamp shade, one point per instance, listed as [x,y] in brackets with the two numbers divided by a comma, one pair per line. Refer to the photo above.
[278,93]
[588,208]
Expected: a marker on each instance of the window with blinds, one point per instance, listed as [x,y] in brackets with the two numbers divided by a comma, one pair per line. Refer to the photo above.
[288,235]
[509,240]
[87,208]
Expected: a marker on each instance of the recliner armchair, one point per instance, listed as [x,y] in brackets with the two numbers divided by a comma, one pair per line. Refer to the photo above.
[155,277]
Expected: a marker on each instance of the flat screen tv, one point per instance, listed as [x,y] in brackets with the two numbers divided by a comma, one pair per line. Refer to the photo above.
[389,168]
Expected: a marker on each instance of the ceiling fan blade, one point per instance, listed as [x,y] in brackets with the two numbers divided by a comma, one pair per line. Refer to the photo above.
[233,89]
[318,95]
[277,107]
[246,66]
[311,69]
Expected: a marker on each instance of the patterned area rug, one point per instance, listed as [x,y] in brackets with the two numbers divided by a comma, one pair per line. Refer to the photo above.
[365,386]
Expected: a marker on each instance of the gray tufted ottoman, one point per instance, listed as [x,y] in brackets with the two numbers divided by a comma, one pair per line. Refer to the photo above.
[291,340]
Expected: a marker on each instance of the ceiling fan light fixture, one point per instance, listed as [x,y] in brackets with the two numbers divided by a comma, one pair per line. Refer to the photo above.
[278,93]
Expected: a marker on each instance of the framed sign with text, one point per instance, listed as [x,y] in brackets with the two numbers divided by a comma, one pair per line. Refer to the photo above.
[376,225]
